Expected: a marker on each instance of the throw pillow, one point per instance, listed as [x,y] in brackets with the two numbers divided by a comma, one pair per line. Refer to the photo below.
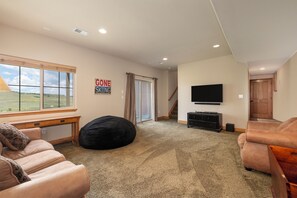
[12,173]
[12,137]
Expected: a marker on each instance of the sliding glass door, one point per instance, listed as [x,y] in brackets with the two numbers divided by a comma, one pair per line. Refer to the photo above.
[143,94]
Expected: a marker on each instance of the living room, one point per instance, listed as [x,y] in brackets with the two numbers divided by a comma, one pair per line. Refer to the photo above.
[37,37]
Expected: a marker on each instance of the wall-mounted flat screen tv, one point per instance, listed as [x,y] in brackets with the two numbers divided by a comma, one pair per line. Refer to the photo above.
[207,93]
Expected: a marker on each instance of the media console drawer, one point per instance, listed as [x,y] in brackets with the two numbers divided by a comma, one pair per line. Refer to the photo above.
[205,120]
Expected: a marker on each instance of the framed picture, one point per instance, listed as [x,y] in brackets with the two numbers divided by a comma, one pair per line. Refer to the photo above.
[102,86]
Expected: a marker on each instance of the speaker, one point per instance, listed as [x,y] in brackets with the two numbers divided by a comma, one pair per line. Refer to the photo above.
[230,127]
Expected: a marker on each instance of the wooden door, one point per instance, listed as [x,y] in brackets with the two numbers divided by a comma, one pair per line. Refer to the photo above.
[261,98]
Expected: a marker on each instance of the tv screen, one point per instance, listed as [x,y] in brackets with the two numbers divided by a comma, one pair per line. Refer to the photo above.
[207,93]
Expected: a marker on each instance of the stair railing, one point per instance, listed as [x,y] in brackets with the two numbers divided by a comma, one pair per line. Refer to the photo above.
[172,94]
[174,104]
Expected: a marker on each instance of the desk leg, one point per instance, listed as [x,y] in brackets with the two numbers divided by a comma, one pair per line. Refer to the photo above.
[75,133]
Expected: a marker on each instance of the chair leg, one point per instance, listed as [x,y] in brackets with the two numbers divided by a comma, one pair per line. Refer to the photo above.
[248,169]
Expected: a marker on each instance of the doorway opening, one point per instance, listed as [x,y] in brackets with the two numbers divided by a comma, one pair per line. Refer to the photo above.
[261,99]
[144,100]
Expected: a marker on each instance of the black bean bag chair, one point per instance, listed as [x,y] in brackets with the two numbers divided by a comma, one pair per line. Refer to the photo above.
[107,132]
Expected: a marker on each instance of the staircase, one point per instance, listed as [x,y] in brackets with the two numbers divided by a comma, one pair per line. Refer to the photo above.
[173,114]
[174,109]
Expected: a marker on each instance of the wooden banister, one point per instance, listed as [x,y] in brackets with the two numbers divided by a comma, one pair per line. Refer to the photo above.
[172,94]
[172,108]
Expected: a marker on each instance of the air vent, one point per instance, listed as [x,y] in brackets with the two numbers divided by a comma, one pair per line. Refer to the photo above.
[80,31]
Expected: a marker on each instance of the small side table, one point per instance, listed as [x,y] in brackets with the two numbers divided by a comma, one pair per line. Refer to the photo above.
[283,166]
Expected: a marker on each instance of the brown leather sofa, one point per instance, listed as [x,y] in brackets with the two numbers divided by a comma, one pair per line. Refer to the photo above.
[51,175]
[253,143]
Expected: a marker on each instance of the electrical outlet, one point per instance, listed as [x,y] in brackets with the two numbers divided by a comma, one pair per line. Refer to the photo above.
[43,131]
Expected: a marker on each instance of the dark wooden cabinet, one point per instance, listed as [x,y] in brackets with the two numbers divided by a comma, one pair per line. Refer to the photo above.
[205,120]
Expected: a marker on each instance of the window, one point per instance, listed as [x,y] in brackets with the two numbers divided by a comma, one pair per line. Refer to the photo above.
[144,100]
[27,86]
[57,89]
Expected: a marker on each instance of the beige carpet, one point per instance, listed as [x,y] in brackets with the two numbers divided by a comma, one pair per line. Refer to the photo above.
[170,160]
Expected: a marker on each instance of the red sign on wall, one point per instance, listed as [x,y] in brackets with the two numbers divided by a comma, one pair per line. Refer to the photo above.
[102,86]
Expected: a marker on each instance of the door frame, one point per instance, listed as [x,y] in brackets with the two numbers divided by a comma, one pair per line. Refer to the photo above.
[138,78]
[272,89]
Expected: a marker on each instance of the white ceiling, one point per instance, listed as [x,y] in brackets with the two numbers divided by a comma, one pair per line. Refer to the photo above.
[259,32]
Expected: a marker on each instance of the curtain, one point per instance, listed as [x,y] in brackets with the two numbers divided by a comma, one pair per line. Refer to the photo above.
[130,107]
[156,98]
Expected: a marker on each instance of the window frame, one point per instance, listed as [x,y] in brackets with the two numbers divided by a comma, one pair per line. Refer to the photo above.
[42,65]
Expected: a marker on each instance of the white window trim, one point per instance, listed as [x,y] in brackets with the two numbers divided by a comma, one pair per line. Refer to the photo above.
[42,65]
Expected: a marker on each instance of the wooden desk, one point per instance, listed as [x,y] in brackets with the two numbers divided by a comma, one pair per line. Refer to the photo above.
[73,120]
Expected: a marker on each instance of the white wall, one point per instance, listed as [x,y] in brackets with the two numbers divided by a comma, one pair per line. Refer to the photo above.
[90,65]
[225,70]
[285,99]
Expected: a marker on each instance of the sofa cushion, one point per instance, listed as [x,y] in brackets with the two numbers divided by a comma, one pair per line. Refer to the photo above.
[285,124]
[263,126]
[51,170]
[12,137]
[41,160]
[11,173]
[34,146]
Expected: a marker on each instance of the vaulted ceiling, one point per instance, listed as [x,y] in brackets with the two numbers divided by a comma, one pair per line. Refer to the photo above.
[257,33]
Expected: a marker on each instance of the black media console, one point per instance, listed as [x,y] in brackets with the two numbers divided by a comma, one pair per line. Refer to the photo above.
[205,120]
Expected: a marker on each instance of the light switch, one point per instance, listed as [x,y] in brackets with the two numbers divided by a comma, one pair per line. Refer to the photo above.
[240,96]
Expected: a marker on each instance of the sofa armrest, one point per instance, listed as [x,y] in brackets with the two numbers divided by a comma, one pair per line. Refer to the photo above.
[272,138]
[267,126]
[71,182]
[32,133]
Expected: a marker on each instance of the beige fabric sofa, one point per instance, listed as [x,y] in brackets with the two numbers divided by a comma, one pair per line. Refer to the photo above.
[253,143]
[51,175]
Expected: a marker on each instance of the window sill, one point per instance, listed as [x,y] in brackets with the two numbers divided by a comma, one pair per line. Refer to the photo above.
[2,115]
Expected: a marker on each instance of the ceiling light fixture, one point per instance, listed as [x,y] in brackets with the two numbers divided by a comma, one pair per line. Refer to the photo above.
[80,31]
[165,59]
[216,46]
[102,31]
[262,68]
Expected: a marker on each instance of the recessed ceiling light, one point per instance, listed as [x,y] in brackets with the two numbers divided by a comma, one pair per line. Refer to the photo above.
[262,68]
[216,46]
[102,31]
[165,59]
[80,31]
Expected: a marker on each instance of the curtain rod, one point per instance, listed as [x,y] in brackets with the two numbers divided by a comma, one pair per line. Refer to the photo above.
[142,76]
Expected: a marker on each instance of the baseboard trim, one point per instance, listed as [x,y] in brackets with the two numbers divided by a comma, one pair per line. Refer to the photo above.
[61,140]
[239,130]
[182,122]
[163,118]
